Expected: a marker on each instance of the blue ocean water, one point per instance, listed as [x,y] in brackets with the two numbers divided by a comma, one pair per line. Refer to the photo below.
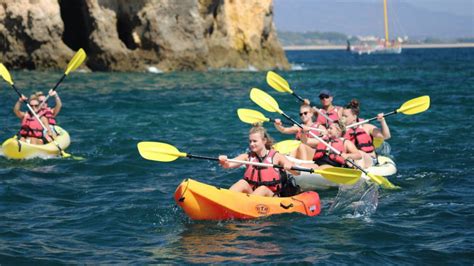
[115,207]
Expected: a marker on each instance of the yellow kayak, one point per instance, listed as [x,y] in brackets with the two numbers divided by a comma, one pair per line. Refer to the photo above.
[204,202]
[15,149]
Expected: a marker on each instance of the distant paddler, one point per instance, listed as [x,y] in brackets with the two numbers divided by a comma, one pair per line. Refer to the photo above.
[31,130]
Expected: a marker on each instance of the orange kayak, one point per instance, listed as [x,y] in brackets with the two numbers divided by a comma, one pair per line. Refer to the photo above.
[204,202]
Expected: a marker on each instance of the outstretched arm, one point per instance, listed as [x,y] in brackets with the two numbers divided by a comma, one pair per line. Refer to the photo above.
[285,130]
[226,164]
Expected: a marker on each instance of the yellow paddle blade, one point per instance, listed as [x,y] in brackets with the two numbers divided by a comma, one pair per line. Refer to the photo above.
[345,176]
[65,154]
[415,106]
[251,116]
[5,74]
[277,82]
[158,151]
[286,146]
[378,142]
[382,181]
[264,100]
[76,61]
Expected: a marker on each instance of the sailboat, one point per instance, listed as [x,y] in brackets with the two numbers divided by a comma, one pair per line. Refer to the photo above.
[376,45]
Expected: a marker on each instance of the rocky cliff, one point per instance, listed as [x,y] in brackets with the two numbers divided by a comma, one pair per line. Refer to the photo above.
[123,35]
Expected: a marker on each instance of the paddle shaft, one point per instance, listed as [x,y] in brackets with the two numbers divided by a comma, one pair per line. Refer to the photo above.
[251,163]
[54,89]
[325,143]
[371,119]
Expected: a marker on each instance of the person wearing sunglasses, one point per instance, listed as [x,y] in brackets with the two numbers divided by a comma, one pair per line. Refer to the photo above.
[307,119]
[333,112]
[31,130]
[303,151]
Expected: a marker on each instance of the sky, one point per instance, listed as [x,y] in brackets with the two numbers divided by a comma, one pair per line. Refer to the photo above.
[413,18]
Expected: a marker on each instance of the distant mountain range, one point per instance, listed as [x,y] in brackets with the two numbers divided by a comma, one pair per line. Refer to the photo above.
[366,18]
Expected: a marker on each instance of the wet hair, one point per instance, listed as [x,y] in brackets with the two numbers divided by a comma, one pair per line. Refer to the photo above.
[354,106]
[263,132]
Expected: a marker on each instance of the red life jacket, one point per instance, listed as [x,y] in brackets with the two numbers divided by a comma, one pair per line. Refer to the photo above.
[322,151]
[48,113]
[360,138]
[263,176]
[333,114]
[30,127]
[317,133]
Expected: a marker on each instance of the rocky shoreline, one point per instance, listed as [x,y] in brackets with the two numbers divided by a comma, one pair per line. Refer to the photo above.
[137,35]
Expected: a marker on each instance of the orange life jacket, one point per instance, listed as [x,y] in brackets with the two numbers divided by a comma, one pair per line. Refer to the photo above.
[263,176]
[48,113]
[323,151]
[317,133]
[30,127]
[361,139]
[333,114]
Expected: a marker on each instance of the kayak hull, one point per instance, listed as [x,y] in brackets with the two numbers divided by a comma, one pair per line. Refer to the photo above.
[204,202]
[309,182]
[14,149]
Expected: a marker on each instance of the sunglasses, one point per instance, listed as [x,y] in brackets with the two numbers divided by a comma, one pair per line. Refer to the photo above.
[303,113]
[34,105]
[323,97]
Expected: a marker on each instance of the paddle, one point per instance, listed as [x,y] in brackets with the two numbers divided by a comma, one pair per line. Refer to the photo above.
[163,152]
[280,84]
[411,107]
[286,146]
[267,102]
[7,77]
[75,62]
[254,117]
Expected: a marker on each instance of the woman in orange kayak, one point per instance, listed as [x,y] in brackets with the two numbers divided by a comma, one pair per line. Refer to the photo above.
[325,157]
[362,136]
[262,181]
[48,112]
[31,130]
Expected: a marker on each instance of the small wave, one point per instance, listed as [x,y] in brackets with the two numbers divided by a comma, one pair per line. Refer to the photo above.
[252,68]
[155,70]
[297,67]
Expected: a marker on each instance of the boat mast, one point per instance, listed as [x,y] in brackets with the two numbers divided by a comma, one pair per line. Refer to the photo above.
[385,21]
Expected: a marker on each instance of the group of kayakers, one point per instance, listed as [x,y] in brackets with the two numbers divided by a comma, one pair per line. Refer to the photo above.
[32,130]
[329,125]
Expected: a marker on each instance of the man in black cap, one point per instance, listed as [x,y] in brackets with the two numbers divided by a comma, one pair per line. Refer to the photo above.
[329,113]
